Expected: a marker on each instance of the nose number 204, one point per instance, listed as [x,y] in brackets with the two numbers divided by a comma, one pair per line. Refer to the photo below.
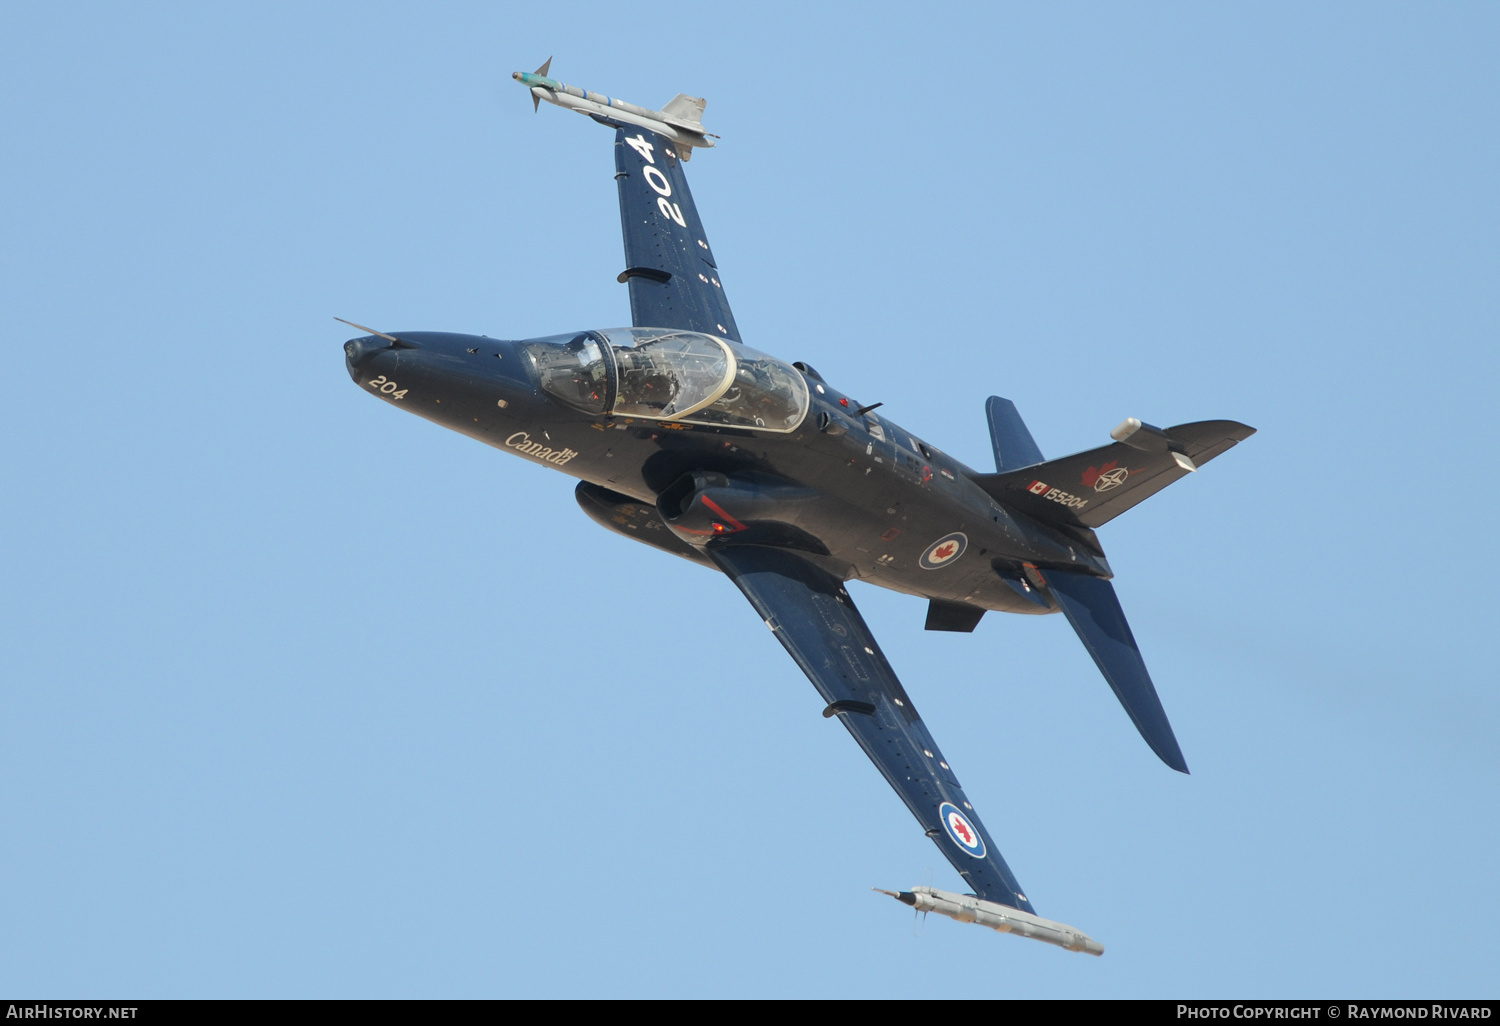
[388,388]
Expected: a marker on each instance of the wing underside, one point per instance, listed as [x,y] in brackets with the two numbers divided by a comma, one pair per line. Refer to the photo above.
[812,615]
[673,278]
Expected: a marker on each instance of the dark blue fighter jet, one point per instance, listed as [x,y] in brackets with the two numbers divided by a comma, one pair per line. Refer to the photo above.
[685,438]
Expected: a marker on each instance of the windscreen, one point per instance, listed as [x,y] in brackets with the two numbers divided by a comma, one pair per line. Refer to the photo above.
[576,369]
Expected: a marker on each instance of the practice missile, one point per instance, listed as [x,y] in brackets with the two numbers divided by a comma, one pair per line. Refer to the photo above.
[680,120]
[968,909]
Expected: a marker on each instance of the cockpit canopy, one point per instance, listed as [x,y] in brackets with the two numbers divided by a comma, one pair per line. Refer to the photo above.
[664,374]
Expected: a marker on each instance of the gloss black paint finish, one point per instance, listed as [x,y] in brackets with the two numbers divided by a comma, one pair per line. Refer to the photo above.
[876,504]
[790,516]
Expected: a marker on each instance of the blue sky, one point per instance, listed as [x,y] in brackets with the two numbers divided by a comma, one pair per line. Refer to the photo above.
[305,698]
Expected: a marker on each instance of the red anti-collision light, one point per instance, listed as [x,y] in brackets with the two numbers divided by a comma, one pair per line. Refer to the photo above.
[843,402]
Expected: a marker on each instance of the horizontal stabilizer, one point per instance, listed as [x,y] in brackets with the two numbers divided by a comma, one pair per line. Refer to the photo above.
[1089,489]
[1094,611]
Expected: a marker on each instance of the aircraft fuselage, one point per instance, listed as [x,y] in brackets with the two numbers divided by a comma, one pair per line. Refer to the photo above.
[853,492]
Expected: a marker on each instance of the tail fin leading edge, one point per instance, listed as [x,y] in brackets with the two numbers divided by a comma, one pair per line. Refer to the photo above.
[1014,446]
[1092,608]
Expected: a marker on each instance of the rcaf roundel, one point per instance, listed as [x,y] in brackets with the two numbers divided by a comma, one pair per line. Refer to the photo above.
[961,830]
[944,551]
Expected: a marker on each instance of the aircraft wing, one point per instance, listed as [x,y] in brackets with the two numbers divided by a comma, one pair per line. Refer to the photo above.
[814,618]
[673,277]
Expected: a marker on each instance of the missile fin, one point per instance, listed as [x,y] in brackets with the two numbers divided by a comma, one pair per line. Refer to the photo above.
[685,108]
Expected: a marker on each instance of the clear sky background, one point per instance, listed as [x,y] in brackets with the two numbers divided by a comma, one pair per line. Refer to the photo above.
[304,697]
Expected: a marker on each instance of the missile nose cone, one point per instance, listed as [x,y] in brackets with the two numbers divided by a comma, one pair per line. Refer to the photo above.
[905,897]
[516,75]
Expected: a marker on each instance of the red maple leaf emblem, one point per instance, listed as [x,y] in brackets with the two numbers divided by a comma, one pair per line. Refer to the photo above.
[1094,473]
[962,830]
[945,550]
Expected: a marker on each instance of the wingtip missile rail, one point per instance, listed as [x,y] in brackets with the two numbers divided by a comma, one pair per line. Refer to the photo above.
[968,909]
[679,120]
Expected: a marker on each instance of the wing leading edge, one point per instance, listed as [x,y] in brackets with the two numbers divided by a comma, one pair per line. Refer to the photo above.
[812,615]
[673,277]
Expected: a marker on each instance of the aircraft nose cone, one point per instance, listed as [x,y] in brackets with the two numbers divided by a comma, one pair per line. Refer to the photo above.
[356,349]
[363,355]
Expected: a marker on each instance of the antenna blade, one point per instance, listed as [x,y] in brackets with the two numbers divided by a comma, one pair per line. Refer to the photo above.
[368,331]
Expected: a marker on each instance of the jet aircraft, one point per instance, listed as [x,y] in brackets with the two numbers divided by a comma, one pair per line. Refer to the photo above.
[685,438]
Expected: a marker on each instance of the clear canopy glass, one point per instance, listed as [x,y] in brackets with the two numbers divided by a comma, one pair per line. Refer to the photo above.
[663,374]
[670,376]
[575,369]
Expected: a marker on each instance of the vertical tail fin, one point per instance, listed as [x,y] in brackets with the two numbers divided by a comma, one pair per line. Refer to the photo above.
[1014,447]
[1091,607]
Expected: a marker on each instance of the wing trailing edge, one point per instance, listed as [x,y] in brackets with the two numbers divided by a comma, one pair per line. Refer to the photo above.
[813,617]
